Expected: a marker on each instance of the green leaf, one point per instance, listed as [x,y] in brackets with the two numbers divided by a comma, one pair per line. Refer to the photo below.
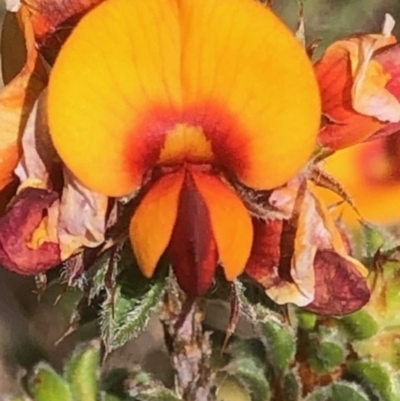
[359,325]
[280,341]
[320,394]
[307,320]
[292,386]
[230,389]
[158,395]
[126,314]
[97,274]
[377,238]
[110,397]
[348,391]
[143,387]
[377,378]
[340,391]
[250,373]
[46,385]
[82,372]
[246,308]
[326,357]
[326,349]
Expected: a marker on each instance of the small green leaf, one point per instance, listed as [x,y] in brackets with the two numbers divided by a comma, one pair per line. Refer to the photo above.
[245,306]
[143,387]
[340,391]
[280,342]
[250,373]
[158,395]
[46,385]
[97,275]
[359,325]
[292,387]
[307,320]
[82,372]
[377,238]
[320,394]
[377,378]
[348,391]
[230,389]
[110,397]
[327,349]
[127,313]
[327,356]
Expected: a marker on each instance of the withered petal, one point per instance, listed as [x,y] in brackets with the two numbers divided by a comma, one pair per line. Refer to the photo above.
[16,102]
[339,286]
[54,20]
[39,162]
[16,229]
[389,59]
[82,217]
[264,259]
[356,98]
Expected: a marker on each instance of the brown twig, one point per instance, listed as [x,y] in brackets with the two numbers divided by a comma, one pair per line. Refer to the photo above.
[189,347]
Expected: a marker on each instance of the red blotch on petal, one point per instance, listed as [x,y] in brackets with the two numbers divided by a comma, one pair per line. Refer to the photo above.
[224,131]
[147,138]
[227,137]
[16,229]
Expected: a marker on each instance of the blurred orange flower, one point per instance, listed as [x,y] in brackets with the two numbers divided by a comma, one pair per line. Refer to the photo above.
[370,174]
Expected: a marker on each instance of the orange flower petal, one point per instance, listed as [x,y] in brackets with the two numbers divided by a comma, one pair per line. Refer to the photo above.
[261,112]
[153,222]
[230,221]
[113,92]
[210,66]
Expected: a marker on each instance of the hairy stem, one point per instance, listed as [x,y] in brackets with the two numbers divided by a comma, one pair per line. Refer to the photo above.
[189,348]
